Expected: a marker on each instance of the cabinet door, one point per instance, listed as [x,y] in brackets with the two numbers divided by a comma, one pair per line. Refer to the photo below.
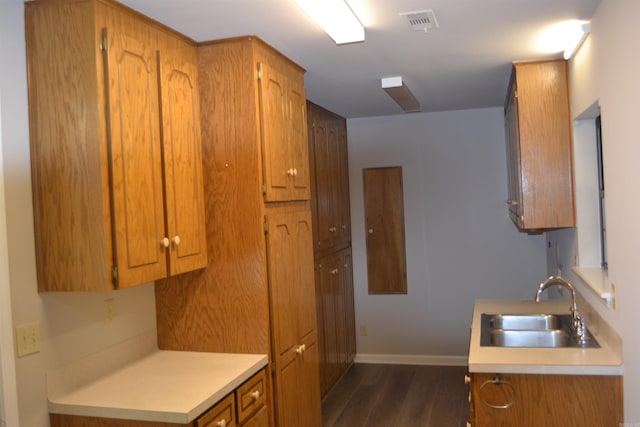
[182,151]
[284,134]
[298,146]
[323,184]
[278,171]
[349,330]
[343,195]
[136,174]
[547,400]
[329,267]
[291,283]
[514,200]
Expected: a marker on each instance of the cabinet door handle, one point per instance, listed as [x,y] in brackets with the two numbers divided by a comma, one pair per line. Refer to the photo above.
[301,349]
[256,395]
[467,379]
[165,242]
[295,172]
[222,423]
[176,240]
[334,271]
[371,231]
[512,202]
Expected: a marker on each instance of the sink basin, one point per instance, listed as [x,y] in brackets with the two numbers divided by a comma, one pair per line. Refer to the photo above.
[525,321]
[530,331]
[533,338]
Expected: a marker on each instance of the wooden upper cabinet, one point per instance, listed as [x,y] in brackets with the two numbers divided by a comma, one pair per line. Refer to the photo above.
[102,220]
[328,143]
[182,148]
[539,146]
[284,132]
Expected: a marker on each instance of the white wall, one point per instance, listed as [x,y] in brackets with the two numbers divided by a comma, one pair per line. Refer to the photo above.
[71,324]
[605,69]
[8,398]
[460,243]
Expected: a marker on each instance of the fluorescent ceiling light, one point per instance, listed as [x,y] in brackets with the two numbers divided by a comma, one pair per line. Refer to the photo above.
[576,40]
[336,19]
[399,92]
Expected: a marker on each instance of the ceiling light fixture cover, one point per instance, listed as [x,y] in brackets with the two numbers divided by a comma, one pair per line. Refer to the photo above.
[421,20]
[577,41]
[399,92]
[336,19]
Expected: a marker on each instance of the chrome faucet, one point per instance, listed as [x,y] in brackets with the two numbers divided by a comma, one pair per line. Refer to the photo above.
[576,318]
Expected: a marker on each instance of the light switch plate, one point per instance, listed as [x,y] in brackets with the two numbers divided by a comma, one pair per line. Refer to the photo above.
[28,338]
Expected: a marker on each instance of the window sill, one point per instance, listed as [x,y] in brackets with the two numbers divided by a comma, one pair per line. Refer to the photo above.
[597,280]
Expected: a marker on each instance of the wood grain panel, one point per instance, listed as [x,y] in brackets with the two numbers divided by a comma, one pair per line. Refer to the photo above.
[222,413]
[68,154]
[135,146]
[298,144]
[182,153]
[208,310]
[277,161]
[384,222]
[545,144]
[59,420]
[550,401]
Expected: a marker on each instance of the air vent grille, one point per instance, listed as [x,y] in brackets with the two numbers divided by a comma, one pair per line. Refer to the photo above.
[421,20]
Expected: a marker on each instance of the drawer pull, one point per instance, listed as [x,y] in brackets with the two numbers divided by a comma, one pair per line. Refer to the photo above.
[256,395]
[301,349]
[222,423]
[467,379]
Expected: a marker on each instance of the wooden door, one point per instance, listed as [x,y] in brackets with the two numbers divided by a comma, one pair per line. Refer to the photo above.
[349,330]
[514,200]
[182,151]
[135,150]
[329,268]
[547,400]
[384,221]
[342,191]
[298,145]
[292,292]
[278,170]
[324,184]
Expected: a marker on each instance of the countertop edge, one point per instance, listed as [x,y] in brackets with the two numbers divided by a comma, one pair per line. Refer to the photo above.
[64,403]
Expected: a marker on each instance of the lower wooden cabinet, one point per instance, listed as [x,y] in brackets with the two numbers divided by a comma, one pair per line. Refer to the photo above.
[527,400]
[336,319]
[246,406]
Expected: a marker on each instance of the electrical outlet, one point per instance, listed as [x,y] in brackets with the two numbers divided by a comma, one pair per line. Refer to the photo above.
[364,330]
[28,338]
[109,311]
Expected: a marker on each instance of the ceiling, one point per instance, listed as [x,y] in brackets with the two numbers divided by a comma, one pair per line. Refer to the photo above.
[463,64]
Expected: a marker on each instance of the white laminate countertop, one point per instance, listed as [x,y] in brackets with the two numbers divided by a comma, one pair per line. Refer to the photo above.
[606,360]
[164,386]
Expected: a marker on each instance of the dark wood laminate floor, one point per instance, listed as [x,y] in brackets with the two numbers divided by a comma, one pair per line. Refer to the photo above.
[398,396]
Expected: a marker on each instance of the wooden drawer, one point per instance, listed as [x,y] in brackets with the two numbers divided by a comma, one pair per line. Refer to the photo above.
[251,396]
[221,415]
[259,419]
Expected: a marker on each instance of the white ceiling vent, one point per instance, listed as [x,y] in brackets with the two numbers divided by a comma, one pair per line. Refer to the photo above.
[421,20]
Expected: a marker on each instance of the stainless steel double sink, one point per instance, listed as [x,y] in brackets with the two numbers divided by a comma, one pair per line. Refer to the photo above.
[530,330]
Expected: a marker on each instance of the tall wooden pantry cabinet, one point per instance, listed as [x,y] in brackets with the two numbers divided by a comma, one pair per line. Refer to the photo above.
[256,294]
[115,147]
[332,243]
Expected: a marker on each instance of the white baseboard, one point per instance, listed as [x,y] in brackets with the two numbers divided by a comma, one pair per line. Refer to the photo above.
[411,359]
